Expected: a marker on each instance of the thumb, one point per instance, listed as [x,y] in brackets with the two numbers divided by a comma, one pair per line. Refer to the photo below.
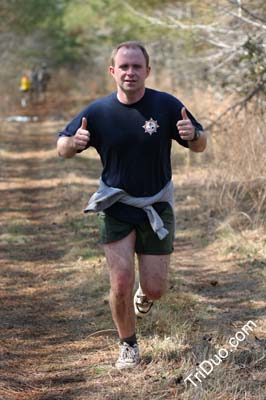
[184,113]
[84,123]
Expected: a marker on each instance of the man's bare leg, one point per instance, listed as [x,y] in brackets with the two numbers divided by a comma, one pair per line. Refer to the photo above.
[120,259]
[153,274]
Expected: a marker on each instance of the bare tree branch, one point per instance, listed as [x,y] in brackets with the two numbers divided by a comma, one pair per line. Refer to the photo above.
[239,104]
[235,43]
[248,12]
[248,21]
[177,24]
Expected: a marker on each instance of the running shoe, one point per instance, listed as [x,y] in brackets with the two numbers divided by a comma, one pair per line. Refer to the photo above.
[142,304]
[129,356]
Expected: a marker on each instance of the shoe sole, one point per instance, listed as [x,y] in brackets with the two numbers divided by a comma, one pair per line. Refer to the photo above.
[139,313]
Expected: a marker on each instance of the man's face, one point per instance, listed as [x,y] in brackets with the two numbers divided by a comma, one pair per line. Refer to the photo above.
[130,70]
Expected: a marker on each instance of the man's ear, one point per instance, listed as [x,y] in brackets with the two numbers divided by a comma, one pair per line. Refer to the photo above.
[148,71]
[111,70]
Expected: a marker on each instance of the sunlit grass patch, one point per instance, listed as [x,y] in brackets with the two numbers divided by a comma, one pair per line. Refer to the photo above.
[249,245]
[159,348]
[83,237]
[9,238]
[18,232]
[18,227]
[81,224]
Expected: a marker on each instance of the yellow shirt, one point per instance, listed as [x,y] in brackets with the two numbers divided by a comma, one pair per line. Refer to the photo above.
[25,83]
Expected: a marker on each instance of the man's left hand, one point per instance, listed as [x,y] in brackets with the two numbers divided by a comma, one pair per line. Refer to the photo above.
[185,127]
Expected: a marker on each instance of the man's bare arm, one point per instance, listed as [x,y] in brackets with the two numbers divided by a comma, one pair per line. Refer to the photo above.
[66,147]
[200,144]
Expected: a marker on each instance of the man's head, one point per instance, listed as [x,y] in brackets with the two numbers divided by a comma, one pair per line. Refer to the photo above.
[132,44]
[130,68]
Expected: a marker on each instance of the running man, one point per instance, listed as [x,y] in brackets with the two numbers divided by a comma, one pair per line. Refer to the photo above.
[132,130]
[25,88]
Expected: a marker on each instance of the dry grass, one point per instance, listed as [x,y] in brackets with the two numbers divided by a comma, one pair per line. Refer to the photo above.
[57,338]
[238,173]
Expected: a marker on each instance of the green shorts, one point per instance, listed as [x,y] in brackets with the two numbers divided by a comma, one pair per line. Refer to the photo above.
[147,242]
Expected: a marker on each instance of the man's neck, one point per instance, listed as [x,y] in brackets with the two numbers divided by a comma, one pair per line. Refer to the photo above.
[130,98]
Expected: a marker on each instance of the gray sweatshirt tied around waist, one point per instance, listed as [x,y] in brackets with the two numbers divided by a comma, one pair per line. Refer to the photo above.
[108,195]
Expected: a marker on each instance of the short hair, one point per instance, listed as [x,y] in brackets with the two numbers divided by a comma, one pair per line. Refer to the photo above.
[131,44]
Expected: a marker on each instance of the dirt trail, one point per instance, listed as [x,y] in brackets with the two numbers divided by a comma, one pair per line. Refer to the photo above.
[57,338]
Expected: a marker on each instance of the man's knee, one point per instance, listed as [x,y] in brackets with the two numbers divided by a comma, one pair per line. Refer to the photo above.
[122,284]
[154,292]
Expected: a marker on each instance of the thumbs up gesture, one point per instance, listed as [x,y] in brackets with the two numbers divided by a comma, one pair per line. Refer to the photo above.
[82,136]
[185,127]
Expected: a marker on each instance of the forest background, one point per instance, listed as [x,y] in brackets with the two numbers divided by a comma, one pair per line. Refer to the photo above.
[209,54]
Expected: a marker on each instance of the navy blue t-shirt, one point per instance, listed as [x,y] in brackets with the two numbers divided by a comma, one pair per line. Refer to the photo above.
[134,144]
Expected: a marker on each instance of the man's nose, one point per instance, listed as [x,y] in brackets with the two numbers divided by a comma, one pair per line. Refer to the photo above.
[130,71]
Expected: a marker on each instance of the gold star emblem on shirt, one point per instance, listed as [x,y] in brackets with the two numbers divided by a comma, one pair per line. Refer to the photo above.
[151,126]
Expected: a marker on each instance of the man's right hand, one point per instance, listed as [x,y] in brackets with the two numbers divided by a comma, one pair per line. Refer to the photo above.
[82,136]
